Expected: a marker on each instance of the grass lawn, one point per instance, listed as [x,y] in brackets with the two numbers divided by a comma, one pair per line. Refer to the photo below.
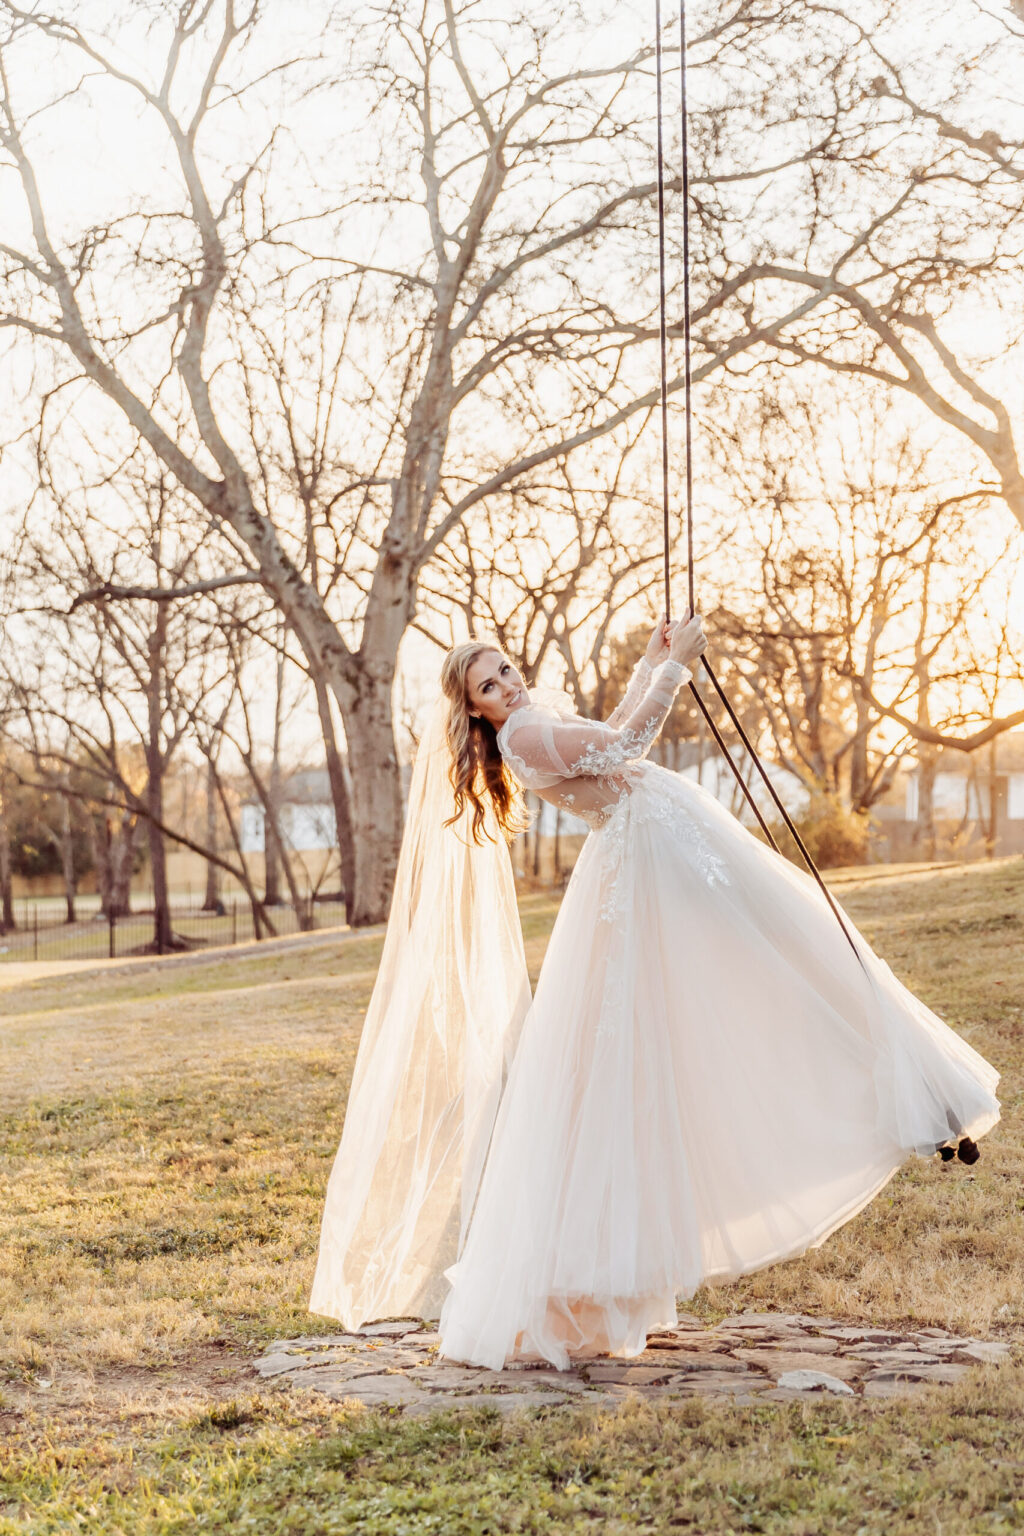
[167,1133]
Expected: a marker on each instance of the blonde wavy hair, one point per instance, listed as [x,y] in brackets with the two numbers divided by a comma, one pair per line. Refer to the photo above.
[477,769]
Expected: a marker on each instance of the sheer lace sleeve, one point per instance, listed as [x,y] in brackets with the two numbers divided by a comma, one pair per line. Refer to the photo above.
[639,682]
[541,749]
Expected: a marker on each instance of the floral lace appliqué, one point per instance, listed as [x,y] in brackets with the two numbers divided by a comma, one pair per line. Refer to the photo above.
[650,807]
[711,868]
[596,760]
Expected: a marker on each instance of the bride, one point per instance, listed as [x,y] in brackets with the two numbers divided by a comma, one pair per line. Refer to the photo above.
[708,1080]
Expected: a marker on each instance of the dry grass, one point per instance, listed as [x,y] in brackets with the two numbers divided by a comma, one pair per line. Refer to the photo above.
[282,1467]
[168,1131]
[168,1134]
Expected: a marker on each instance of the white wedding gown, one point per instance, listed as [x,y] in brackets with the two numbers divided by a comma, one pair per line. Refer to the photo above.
[708,1079]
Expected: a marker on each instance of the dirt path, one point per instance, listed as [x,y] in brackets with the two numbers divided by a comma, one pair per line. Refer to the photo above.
[15,973]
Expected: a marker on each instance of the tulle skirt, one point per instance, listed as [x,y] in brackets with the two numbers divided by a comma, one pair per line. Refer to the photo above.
[708,1081]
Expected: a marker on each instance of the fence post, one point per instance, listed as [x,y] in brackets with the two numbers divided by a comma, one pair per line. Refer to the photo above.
[111,926]
[234,922]
[35,931]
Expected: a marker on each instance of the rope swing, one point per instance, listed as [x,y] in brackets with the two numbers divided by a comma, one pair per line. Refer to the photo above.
[688,414]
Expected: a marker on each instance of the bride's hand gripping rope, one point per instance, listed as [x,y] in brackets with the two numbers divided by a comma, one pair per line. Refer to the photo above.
[657,645]
[687,641]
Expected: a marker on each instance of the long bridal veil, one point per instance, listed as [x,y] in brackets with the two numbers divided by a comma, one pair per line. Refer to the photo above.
[444,1017]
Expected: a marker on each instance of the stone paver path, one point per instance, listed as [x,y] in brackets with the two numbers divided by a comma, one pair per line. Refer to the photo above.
[752,1357]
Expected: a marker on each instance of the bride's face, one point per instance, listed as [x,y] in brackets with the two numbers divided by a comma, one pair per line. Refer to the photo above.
[494,688]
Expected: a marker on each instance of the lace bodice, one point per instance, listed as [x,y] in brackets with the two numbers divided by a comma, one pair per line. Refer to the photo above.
[585,765]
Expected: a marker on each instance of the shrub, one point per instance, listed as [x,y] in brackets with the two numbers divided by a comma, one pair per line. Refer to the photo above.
[834,834]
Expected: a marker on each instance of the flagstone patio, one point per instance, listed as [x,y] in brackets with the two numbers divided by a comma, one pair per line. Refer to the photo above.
[751,1357]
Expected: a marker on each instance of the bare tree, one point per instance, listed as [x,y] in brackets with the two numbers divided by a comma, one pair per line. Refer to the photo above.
[868,577]
[99,693]
[212,895]
[548,572]
[267,783]
[1001,664]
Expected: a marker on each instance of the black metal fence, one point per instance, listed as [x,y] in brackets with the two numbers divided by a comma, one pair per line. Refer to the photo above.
[42,931]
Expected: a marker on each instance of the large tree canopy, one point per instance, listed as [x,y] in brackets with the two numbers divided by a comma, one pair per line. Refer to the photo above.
[367,283]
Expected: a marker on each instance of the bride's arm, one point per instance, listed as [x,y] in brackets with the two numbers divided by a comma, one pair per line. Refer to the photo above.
[558,749]
[639,682]
[640,679]
[588,748]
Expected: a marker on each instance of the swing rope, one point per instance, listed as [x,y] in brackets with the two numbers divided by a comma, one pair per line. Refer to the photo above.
[688,414]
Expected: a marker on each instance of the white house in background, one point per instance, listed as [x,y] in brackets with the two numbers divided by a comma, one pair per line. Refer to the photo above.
[715,775]
[956,796]
[978,797]
[307,815]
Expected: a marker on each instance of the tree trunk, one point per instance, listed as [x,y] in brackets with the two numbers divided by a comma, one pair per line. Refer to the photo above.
[122,863]
[67,858]
[155,765]
[862,792]
[260,921]
[339,793]
[860,774]
[302,909]
[211,899]
[273,839]
[924,833]
[376,800]
[99,836]
[992,820]
[271,862]
[7,923]
[162,936]
[113,849]
[273,852]
[824,768]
